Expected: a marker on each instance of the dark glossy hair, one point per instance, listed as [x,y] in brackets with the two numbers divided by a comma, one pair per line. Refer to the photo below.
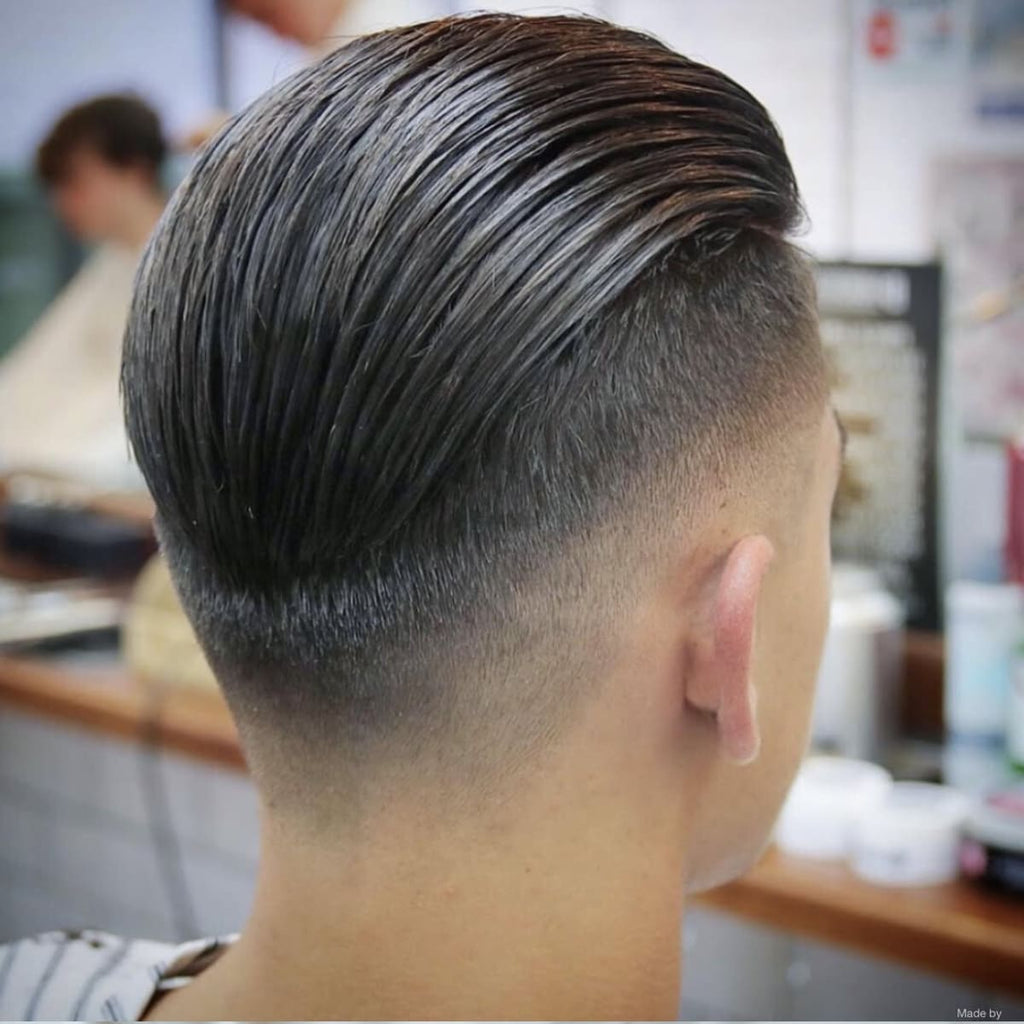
[433,332]
[122,129]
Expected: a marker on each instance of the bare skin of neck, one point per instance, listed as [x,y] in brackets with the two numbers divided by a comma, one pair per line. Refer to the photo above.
[564,904]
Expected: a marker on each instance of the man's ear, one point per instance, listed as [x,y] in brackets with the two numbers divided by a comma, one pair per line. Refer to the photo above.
[719,680]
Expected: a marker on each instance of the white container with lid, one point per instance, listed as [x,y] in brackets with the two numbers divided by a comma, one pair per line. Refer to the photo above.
[911,837]
[828,796]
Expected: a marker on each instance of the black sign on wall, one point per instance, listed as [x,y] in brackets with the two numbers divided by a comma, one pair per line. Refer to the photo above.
[880,325]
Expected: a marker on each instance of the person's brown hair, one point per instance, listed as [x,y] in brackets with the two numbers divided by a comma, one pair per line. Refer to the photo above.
[122,129]
[426,318]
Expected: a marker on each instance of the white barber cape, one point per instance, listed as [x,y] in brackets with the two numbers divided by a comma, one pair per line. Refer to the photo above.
[60,409]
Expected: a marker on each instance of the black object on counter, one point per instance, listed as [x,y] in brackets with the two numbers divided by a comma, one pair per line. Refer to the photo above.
[993,850]
[76,540]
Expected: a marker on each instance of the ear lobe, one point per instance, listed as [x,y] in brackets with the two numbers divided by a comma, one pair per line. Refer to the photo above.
[723,683]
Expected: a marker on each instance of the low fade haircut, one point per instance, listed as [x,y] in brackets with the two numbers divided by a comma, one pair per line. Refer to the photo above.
[431,350]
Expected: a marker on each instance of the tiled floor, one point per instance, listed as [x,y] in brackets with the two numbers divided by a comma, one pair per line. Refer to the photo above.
[79,817]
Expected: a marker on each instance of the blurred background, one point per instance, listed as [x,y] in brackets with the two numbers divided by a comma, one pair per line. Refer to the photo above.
[895,888]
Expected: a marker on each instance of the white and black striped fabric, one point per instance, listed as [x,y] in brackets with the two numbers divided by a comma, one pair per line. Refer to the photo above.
[91,975]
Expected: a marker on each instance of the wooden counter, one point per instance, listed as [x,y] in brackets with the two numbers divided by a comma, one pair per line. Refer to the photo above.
[111,701]
[956,930]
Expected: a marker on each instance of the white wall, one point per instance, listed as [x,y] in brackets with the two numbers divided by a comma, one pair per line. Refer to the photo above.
[901,121]
[54,53]
[788,53]
[255,60]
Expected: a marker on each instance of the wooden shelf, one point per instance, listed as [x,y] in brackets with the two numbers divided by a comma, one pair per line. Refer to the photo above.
[957,930]
[189,722]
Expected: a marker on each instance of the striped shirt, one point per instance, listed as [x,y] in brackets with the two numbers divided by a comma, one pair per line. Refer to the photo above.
[90,975]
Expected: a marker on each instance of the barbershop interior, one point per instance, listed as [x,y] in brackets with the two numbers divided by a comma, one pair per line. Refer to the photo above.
[891,883]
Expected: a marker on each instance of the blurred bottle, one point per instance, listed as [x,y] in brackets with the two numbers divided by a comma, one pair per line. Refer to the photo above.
[1015,511]
[1015,719]
[1015,572]
[983,623]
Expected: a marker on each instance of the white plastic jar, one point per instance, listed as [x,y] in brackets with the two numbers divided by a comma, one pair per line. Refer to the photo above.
[827,797]
[911,837]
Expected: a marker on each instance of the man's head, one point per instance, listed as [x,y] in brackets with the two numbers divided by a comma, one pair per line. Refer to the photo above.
[97,158]
[481,397]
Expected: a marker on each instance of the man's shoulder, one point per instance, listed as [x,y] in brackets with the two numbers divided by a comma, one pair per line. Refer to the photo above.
[88,975]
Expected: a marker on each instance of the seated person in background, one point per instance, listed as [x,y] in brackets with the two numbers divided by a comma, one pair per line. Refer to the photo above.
[59,406]
[481,397]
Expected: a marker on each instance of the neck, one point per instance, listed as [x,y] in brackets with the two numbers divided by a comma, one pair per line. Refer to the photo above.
[137,216]
[571,909]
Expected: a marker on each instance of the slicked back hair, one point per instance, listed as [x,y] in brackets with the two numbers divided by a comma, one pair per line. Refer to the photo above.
[434,331]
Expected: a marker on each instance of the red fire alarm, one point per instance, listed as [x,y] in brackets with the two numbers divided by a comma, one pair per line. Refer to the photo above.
[882,35]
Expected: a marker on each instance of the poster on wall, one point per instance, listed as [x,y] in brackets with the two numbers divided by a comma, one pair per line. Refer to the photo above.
[997,59]
[908,38]
[979,229]
[880,327]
